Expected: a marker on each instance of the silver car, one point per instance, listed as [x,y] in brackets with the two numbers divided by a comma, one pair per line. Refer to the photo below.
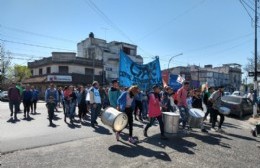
[4,96]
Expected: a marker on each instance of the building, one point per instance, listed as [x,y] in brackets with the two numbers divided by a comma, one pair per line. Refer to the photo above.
[229,75]
[64,68]
[108,53]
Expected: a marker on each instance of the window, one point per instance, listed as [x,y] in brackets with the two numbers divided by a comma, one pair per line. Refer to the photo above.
[126,50]
[88,71]
[40,71]
[48,70]
[32,72]
[63,69]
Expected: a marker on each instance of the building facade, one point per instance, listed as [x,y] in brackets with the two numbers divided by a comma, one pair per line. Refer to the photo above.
[228,75]
[63,69]
[108,53]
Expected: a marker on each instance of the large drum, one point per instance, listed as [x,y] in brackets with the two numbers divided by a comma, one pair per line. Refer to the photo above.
[114,118]
[196,117]
[171,122]
[224,110]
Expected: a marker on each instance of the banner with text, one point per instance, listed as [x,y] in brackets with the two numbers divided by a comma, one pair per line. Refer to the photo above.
[143,75]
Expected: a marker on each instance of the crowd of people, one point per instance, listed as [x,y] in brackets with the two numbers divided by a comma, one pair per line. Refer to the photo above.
[135,103]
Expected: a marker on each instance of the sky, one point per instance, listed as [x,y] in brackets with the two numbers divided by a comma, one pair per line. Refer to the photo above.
[205,31]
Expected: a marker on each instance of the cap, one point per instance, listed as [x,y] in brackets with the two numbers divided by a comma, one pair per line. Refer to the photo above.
[94,83]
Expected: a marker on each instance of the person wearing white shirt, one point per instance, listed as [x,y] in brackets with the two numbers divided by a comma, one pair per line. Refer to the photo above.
[95,103]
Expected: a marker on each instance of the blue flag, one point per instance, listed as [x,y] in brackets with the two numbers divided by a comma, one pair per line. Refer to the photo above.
[143,75]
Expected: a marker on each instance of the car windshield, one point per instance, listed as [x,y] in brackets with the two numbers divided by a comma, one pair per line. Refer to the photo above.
[233,99]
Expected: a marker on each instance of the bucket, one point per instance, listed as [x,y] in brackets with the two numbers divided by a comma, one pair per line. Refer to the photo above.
[114,118]
[171,122]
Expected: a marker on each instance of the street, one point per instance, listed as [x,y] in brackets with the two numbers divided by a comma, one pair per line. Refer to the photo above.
[32,143]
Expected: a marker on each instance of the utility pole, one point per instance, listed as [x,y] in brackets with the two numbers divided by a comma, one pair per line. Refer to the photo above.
[255,75]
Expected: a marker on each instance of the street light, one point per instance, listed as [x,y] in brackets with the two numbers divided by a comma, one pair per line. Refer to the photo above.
[171,59]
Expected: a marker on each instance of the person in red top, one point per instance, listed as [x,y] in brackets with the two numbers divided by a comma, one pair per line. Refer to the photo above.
[182,103]
[154,111]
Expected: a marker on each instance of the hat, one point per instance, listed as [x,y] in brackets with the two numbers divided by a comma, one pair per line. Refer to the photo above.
[114,81]
[94,83]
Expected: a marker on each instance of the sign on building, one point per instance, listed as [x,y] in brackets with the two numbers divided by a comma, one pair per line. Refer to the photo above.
[59,78]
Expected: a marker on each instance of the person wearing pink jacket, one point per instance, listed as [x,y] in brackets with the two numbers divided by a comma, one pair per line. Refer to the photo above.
[154,111]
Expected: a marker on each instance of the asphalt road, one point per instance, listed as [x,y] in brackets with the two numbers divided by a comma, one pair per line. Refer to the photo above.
[34,144]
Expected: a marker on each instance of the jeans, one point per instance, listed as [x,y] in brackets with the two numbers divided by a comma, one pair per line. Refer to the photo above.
[151,121]
[26,105]
[129,113]
[82,110]
[34,106]
[95,112]
[215,114]
[138,105]
[184,112]
[145,108]
[14,107]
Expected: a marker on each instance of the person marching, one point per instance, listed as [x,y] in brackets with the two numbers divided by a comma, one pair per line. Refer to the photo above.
[70,103]
[182,103]
[35,98]
[208,104]
[82,105]
[27,96]
[51,105]
[154,111]
[126,103]
[14,100]
[95,103]
[215,98]
[197,103]
[114,93]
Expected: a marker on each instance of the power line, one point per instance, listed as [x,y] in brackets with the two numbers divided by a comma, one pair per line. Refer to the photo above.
[35,45]
[246,10]
[248,5]
[173,19]
[36,34]
[96,9]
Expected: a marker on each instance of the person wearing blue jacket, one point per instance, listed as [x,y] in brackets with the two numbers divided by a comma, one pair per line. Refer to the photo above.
[126,103]
[27,96]
[35,98]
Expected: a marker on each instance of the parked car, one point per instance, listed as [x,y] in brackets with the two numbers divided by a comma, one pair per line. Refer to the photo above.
[238,105]
[237,93]
[226,93]
[4,96]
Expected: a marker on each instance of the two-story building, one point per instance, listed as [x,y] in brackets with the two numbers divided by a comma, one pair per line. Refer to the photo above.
[63,69]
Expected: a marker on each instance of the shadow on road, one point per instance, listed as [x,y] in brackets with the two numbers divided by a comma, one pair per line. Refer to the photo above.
[28,119]
[211,139]
[132,151]
[13,121]
[73,125]
[177,143]
[232,125]
[242,137]
[102,130]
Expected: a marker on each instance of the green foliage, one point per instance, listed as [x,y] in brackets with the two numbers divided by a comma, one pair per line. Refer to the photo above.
[21,72]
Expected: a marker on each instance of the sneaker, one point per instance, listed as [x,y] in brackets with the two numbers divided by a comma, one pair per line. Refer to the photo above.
[220,131]
[132,140]
[213,129]
[163,137]
[117,136]
[145,133]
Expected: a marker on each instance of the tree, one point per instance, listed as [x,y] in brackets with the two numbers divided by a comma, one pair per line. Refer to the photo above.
[5,63]
[21,72]
[250,66]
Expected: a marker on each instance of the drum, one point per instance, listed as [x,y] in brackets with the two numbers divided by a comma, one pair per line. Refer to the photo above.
[224,110]
[196,117]
[114,118]
[171,122]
